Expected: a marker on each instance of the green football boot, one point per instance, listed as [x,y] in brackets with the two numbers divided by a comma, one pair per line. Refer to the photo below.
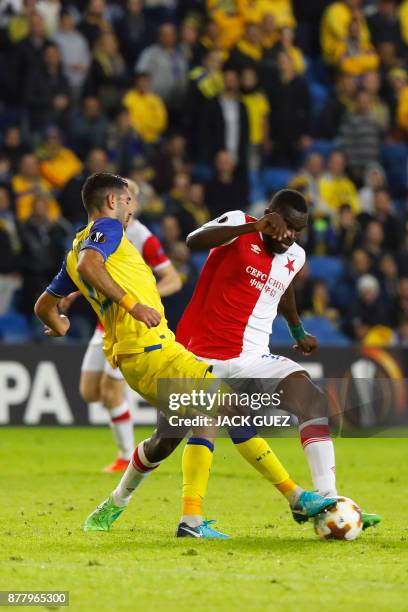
[104,516]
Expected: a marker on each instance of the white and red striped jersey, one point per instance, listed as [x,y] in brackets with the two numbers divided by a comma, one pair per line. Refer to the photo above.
[148,246]
[237,295]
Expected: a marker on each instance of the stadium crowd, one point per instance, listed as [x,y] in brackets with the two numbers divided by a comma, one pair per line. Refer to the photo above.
[211,105]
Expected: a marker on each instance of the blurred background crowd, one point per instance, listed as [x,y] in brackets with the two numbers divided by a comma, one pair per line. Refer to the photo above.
[210,106]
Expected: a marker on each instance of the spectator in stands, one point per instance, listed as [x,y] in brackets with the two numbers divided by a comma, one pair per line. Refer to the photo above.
[152,207]
[258,110]
[167,67]
[93,25]
[384,23]
[355,54]
[171,232]
[47,94]
[28,53]
[230,22]
[369,310]
[226,123]
[307,181]
[147,112]
[388,276]
[206,81]
[27,185]
[50,12]
[398,80]
[290,119]
[345,291]
[360,137]
[70,197]
[43,248]
[134,32]
[227,190]
[19,23]
[178,193]
[374,178]
[321,303]
[269,33]
[383,213]
[74,51]
[209,41]
[347,230]
[335,29]
[371,82]
[247,53]
[123,142]
[58,164]
[286,44]
[189,36]
[335,187]
[107,77]
[170,160]
[321,237]
[10,249]
[336,106]
[13,147]
[372,241]
[89,127]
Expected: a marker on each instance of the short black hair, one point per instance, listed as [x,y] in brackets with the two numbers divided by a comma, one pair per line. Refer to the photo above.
[96,187]
[288,198]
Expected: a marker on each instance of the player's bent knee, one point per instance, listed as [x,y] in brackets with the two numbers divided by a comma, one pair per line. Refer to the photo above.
[89,393]
[111,392]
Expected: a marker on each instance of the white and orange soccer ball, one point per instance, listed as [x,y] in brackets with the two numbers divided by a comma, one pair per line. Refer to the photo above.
[341,523]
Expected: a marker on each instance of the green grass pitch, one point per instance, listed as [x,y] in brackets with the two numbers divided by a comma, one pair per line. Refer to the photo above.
[51,480]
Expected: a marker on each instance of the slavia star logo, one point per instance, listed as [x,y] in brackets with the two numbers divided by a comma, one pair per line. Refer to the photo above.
[289,265]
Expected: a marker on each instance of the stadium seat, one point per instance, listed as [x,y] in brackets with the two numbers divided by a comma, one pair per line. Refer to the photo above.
[274,179]
[14,328]
[328,268]
[323,147]
[325,331]
[318,94]
[395,158]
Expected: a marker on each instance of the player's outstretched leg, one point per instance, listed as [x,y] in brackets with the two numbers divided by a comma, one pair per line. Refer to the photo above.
[310,405]
[196,465]
[147,457]
[259,454]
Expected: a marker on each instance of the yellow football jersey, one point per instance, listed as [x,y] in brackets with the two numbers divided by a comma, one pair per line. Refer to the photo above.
[123,334]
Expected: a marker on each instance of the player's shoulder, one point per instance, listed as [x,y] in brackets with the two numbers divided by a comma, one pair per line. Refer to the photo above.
[104,227]
[298,251]
[232,217]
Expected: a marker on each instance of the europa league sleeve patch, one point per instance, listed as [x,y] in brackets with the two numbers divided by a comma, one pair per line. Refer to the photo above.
[98,237]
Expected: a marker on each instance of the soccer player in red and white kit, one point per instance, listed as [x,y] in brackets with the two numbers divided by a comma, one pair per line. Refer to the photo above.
[99,382]
[244,282]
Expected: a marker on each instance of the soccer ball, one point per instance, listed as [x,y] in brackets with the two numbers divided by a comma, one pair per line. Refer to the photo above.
[340,523]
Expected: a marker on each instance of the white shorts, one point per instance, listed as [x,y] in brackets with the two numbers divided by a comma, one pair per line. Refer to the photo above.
[94,359]
[253,365]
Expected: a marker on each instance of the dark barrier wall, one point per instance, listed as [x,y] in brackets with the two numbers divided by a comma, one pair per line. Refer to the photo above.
[39,385]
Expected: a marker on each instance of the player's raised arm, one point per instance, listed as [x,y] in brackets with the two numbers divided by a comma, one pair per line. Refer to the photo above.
[226,228]
[91,267]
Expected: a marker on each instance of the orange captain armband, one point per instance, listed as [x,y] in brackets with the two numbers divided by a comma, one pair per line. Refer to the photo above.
[127,302]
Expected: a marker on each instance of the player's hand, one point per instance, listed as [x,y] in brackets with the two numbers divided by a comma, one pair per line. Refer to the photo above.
[145,314]
[273,225]
[307,346]
[65,304]
[60,329]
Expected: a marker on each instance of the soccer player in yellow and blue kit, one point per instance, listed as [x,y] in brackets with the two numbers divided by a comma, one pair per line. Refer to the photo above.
[121,288]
